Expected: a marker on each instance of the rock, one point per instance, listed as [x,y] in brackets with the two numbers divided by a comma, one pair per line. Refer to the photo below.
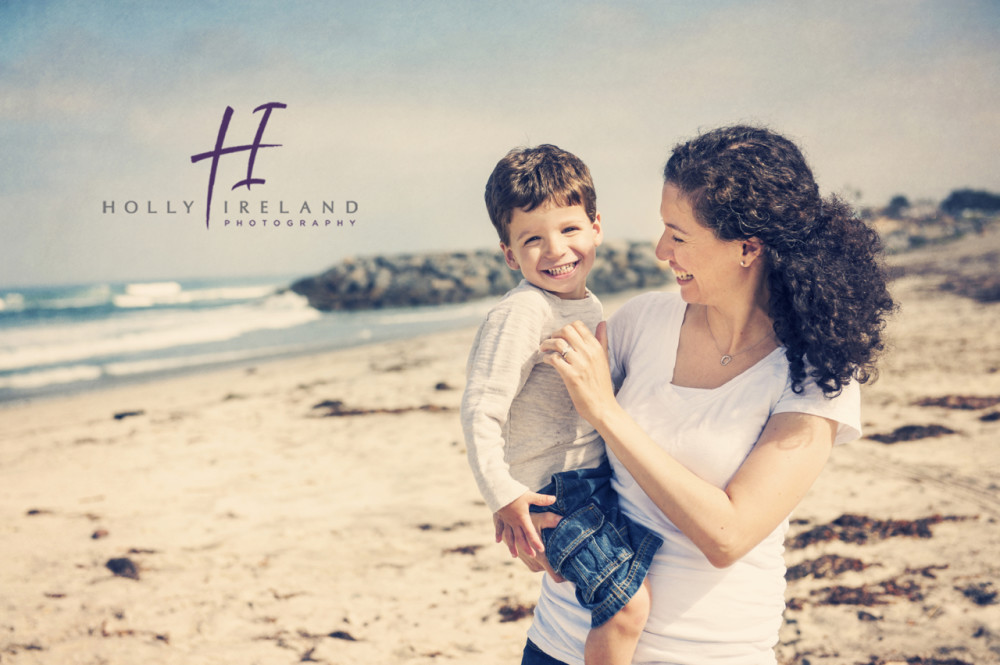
[123,567]
[408,280]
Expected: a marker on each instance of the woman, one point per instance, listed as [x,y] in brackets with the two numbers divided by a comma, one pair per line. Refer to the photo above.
[730,394]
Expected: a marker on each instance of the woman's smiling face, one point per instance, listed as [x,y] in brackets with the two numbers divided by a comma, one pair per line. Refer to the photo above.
[707,268]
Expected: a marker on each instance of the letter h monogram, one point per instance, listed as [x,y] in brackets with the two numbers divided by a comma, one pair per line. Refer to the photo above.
[253,148]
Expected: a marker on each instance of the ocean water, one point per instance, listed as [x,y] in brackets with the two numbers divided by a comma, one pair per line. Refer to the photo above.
[70,338]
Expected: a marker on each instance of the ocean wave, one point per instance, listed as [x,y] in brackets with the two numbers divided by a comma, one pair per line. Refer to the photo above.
[50,377]
[12,302]
[40,345]
[48,353]
[158,294]
[56,299]
[134,295]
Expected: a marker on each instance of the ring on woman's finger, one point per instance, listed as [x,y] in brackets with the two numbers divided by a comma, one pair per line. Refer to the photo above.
[563,353]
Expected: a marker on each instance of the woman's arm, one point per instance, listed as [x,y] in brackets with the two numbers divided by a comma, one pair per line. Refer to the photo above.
[724,524]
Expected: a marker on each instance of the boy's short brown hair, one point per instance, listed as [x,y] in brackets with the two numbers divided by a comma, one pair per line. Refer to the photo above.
[530,177]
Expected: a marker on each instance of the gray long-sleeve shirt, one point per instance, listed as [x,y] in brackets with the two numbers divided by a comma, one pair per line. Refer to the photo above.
[519,422]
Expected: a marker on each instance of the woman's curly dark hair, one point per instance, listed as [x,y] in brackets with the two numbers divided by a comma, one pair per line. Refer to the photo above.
[826,280]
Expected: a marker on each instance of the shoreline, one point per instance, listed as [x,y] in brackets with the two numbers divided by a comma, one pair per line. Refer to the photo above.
[324,334]
[167,376]
[319,350]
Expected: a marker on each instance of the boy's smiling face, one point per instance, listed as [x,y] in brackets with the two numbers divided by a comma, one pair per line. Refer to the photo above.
[554,247]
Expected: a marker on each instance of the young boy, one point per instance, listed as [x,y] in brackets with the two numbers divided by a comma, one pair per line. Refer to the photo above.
[521,429]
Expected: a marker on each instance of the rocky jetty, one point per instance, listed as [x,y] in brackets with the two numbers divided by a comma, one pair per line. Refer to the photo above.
[432,279]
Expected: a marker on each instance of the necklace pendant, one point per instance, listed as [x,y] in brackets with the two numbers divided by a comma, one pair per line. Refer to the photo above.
[725,360]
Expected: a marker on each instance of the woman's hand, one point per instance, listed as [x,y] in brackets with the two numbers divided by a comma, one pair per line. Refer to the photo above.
[582,361]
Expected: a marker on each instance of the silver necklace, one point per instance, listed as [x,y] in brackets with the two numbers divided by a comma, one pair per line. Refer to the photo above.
[727,357]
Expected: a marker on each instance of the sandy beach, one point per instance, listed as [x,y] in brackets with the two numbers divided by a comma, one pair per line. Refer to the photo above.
[320,509]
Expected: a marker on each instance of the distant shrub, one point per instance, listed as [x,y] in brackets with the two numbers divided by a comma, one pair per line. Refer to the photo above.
[961,200]
[896,206]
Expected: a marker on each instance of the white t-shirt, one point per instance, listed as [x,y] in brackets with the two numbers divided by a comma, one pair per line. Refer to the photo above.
[700,614]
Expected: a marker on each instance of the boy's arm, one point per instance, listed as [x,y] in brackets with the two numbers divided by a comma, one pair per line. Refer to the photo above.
[506,342]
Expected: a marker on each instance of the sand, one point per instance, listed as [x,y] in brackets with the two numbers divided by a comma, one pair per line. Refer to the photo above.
[264,529]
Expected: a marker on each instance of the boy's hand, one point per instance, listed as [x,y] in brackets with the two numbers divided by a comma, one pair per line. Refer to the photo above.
[514,526]
[539,562]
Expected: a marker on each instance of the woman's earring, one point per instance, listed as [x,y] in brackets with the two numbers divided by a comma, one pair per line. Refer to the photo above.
[743,263]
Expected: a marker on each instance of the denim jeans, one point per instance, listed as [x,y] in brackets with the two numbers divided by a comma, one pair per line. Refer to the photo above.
[532,655]
[605,554]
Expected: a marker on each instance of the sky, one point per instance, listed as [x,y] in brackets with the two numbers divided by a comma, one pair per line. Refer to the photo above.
[395,113]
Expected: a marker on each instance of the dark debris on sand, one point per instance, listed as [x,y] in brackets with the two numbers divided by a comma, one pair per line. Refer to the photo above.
[336,408]
[464,549]
[123,567]
[828,565]
[868,595]
[906,586]
[515,611]
[976,275]
[983,593]
[461,524]
[13,649]
[912,433]
[926,571]
[860,529]
[963,402]
[981,288]
[917,660]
